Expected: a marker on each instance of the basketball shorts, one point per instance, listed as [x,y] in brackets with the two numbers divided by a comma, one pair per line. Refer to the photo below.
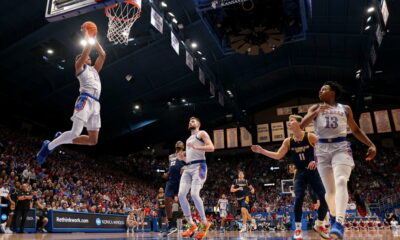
[244,203]
[332,154]
[172,189]
[195,174]
[162,213]
[87,110]
[222,213]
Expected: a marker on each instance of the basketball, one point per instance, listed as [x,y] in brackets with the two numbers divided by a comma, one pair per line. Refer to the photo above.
[91,28]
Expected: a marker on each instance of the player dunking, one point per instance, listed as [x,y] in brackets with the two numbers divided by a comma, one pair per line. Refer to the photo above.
[194,175]
[301,148]
[174,176]
[333,153]
[242,190]
[87,106]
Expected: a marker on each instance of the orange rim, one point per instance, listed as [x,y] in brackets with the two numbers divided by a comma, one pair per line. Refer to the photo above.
[136,16]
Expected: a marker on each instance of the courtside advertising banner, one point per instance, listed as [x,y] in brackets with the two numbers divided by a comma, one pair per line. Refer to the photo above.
[263,133]
[382,121]
[366,123]
[232,137]
[62,221]
[278,132]
[396,118]
[245,137]
[219,136]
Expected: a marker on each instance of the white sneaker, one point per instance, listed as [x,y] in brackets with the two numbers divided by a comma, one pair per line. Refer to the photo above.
[127,230]
[244,229]
[298,234]
[8,231]
[3,227]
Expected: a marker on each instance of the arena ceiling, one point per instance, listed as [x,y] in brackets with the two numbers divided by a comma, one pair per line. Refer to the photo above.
[43,91]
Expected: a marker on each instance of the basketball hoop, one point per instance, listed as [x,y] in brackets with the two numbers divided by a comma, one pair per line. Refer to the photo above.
[121,17]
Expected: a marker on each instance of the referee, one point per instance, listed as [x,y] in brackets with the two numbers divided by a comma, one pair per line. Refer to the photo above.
[24,198]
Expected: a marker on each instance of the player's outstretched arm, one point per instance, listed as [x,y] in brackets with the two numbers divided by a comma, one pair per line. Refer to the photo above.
[360,135]
[274,155]
[80,62]
[101,58]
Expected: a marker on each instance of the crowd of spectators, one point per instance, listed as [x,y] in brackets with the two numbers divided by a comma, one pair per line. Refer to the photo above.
[72,181]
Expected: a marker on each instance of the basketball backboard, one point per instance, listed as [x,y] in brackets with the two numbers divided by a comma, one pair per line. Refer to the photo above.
[57,10]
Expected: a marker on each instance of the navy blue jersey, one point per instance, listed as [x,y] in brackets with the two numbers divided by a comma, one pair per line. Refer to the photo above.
[302,152]
[175,166]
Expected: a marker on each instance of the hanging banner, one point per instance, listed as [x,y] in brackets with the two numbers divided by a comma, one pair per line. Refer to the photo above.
[219,136]
[278,133]
[245,137]
[189,60]
[302,108]
[231,137]
[289,132]
[202,77]
[396,118]
[212,89]
[382,121]
[310,128]
[156,20]
[221,99]
[263,133]
[279,111]
[174,43]
[366,123]
[385,12]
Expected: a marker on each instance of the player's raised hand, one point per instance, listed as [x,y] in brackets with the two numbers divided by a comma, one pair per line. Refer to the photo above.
[312,165]
[256,148]
[371,153]
[322,108]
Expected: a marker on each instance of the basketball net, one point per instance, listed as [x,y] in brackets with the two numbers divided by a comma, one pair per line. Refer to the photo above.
[121,17]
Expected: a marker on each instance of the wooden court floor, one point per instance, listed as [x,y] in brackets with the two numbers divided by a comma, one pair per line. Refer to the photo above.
[365,235]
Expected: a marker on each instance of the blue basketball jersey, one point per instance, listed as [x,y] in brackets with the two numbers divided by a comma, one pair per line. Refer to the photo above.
[302,152]
[175,166]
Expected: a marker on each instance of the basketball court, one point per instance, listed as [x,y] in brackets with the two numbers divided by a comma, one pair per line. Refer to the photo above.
[379,235]
[242,66]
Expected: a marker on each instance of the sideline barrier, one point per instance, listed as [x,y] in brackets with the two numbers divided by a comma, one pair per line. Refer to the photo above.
[30,223]
[63,221]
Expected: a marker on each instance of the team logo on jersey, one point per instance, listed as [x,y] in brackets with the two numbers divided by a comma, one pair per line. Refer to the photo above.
[80,103]
[3,217]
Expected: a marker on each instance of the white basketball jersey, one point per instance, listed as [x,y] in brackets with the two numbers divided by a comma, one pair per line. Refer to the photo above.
[222,203]
[89,81]
[193,154]
[332,123]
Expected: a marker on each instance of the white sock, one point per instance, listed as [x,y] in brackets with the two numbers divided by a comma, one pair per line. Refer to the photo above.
[318,223]
[298,225]
[67,137]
